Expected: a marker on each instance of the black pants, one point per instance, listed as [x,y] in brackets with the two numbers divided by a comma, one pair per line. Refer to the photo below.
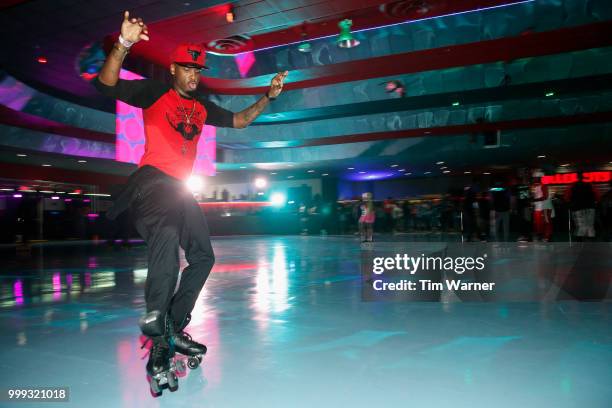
[167,216]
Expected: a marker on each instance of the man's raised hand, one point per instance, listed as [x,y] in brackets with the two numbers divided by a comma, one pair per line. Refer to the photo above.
[276,85]
[133,29]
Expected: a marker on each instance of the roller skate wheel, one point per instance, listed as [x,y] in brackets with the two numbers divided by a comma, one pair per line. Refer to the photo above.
[172,382]
[155,387]
[180,366]
[193,362]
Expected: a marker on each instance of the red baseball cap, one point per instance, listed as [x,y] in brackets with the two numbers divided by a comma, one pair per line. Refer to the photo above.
[191,55]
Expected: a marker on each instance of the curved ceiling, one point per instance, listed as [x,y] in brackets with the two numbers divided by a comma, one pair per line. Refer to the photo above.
[475,41]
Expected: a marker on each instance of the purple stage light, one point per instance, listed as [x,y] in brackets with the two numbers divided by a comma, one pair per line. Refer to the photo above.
[245,61]
[18,288]
[371,175]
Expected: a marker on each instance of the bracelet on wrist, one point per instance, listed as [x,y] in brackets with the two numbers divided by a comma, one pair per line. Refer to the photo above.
[269,97]
[127,44]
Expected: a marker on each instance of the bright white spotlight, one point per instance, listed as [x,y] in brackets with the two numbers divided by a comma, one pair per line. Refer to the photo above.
[261,182]
[195,184]
[278,199]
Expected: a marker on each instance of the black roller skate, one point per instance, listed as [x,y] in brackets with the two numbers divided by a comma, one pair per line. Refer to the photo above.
[185,345]
[161,367]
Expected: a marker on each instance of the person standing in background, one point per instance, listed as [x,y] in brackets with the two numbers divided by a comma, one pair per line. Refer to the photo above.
[582,199]
[542,210]
[367,218]
[501,207]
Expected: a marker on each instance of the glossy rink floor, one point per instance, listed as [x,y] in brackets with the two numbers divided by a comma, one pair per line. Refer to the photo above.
[286,327]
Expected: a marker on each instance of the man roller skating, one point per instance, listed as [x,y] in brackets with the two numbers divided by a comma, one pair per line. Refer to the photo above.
[165,213]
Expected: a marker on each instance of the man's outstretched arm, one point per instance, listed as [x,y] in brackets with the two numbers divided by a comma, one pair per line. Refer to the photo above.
[132,31]
[244,118]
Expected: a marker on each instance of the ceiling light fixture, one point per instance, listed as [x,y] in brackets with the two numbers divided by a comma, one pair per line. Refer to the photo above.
[230,16]
[346,39]
[411,21]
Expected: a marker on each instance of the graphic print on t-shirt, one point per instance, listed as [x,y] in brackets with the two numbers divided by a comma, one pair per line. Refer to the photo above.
[188,127]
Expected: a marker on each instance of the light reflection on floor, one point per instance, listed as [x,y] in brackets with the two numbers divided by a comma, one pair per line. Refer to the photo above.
[285,326]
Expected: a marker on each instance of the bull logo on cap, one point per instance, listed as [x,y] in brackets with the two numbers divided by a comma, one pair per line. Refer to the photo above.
[195,54]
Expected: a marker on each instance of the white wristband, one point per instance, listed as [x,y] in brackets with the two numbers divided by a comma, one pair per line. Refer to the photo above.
[124,42]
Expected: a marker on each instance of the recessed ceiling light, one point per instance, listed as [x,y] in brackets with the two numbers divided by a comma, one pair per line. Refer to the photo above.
[243,167]
[362,172]
[408,174]
[467,172]
[46,165]
[550,93]
[395,165]
[427,172]
[82,161]
[311,171]
[325,174]
[446,171]
[289,176]
[443,168]
[542,156]
[456,103]
[565,165]
[486,172]
[273,173]
[290,165]
[21,155]
[440,162]
[60,192]
[402,170]
[350,168]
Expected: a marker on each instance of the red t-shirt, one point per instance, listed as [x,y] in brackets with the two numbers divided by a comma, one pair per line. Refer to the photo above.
[172,123]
